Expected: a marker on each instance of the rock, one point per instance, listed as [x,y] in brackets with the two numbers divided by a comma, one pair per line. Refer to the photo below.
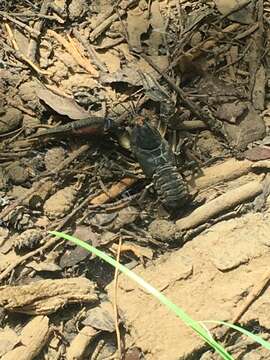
[29,239]
[208,144]
[54,157]
[163,230]
[30,123]
[10,120]
[59,204]
[27,91]
[189,277]
[231,111]
[17,192]
[126,216]
[77,9]
[17,173]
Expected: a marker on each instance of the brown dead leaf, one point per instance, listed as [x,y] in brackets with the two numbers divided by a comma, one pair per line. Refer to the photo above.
[101,317]
[251,128]
[137,24]
[139,251]
[229,7]
[258,93]
[62,105]
[157,23]
[258,153]
[130,73]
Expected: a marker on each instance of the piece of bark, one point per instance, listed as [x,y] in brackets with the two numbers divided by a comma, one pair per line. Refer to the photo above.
[220,204]
[33,44]
[263,164]
[33,337]
[228,170]
[79,344]
[47,296]
[114,191]
[258,93]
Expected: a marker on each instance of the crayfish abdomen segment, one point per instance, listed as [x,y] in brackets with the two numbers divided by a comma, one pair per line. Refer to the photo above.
[170,187]
[157,162]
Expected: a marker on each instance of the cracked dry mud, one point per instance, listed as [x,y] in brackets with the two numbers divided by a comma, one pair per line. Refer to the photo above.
[210,278]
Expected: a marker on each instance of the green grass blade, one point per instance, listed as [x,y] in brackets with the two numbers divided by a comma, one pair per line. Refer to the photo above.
[256,338]
[150,289]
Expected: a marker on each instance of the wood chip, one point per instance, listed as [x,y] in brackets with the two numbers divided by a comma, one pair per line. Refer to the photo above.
[46,296]
[33,337]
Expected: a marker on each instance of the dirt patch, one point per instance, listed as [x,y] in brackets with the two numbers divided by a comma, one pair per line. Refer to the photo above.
[209,278]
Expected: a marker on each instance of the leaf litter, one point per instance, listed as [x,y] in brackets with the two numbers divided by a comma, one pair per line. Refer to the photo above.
[199,73]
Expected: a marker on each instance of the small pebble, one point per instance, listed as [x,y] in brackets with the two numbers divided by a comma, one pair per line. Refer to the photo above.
[77,9]
[30,124]
[10,120]
[17,173]
[59,204]
[163,230]
[54,157]
[29,239]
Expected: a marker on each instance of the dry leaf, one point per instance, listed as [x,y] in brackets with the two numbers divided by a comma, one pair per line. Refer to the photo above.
[62,105]
[258,153]
[137,24]
[243,15]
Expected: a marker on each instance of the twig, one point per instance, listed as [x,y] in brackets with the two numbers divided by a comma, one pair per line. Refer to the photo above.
[32,48]
[104,26]
[114,191]
[73,51]
[35,15]
[193,125]
[110,18]
[115,303]
[256,50]
[220,204]
[37,185]
[228,170]
[213,124]
[253,295]
[91,51]
[221,333]
[21,56]
[49,242]
[19,23]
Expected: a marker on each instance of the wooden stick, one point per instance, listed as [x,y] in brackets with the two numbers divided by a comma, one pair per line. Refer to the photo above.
[220,204]
[228,170]
[114,191]
[70,47]
[21,56]
[32,48]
